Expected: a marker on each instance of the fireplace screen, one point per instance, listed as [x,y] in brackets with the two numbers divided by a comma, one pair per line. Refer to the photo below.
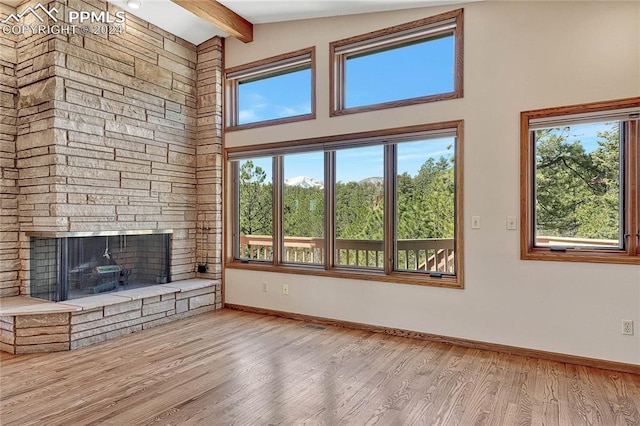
[73,267]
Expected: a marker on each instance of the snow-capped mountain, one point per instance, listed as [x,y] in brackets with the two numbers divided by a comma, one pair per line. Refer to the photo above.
[372,181]
[304,182]
[309,182]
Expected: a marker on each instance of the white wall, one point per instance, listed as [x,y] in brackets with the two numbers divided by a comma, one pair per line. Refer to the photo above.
[518,56]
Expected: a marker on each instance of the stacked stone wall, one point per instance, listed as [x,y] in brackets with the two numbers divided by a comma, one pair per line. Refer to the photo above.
[110,132]
[9,241]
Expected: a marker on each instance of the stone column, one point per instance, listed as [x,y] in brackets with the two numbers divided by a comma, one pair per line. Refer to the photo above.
[9,242]
[209,159]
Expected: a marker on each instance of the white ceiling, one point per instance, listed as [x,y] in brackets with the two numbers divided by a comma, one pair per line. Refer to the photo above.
[266,11]
[178,21]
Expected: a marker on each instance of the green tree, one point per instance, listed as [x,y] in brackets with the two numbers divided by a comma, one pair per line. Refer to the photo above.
[577,192]
[255,209]
[359,210]
[425,203]
[303,211]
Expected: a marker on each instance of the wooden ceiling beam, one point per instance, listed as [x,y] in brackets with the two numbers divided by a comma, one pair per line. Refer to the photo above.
[221,17]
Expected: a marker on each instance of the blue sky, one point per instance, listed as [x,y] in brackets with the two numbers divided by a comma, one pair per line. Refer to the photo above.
[587,134]
[410,71]
[396,74]
[276,97]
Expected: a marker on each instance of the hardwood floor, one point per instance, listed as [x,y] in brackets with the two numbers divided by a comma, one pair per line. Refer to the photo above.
[235,368]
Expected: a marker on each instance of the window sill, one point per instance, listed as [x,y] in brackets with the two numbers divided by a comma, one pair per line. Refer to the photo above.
[576,255]
[395,104]
[343,273]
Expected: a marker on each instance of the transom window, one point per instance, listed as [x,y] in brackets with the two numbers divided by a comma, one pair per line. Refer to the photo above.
[580,174]
[412,63]
[271,91]
[380,205]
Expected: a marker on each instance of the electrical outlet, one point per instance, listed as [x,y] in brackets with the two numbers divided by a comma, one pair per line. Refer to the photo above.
[511,223]
[475,222]
[265,287]
[285,288]
[627,327]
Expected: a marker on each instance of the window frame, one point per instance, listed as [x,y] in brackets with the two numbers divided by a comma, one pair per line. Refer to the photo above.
[279,163]
[329,145]
[234,76]
[630,253]
[236,207]
[421,29]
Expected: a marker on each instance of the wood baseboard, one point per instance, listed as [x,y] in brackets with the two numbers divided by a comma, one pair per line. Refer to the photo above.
[513,350]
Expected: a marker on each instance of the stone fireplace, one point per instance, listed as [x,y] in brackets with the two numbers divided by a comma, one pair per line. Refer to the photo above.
[66,266]
[117,134]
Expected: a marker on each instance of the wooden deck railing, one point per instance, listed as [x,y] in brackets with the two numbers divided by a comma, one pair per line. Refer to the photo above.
[434,254]
[575,242]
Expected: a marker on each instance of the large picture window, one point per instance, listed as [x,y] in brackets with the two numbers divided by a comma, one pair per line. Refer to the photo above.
[271,91]
[580,182]
[384,205]
[417,62]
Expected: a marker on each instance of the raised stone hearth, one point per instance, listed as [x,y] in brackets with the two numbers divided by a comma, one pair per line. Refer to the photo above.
[30,325]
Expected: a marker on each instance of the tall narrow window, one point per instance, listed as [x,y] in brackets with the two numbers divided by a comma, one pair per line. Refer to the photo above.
[417,62]
[425,205]
[359,218]
[272,91]
[254,188]
[303,208]
[580,181]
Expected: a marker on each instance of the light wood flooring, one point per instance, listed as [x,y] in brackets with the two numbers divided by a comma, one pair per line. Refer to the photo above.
[236,368]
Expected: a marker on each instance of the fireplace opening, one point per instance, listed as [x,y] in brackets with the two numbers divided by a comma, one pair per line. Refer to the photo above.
[71,266]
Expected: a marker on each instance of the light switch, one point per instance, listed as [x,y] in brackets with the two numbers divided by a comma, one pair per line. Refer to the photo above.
[512,225]
[475,222]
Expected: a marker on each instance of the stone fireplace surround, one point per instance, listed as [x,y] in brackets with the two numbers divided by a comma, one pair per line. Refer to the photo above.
[108,133]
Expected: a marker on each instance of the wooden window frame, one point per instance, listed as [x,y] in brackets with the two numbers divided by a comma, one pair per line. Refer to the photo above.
[329,269]
[394,36]
[630,254]
[265,67]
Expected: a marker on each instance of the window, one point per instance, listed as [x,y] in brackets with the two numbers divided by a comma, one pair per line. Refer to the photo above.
[271,91]
[303,208]
[425,205]
[383,205]
[359,195]
[412,63]
[255,209]
[580,181]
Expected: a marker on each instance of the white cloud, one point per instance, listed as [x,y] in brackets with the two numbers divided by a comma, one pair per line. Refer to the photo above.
[248,115]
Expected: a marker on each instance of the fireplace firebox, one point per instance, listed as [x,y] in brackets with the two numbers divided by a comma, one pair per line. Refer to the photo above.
[66,266]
